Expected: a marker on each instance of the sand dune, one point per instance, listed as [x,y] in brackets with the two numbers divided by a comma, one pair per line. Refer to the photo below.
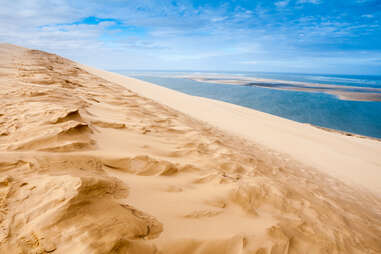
[89,166]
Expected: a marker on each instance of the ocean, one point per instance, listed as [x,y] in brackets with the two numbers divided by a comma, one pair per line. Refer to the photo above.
[317,108]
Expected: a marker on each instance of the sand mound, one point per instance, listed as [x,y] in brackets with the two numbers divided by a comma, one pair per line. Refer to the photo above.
[45,212]
[87,166]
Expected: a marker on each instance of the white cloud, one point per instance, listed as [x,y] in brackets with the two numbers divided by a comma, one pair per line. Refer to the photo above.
[369,16]
[309,1]
[248,62]
[282,4]
[362,1]
[218,19]
[166,35]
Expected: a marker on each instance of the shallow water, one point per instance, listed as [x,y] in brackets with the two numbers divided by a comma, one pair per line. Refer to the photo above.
[320,109]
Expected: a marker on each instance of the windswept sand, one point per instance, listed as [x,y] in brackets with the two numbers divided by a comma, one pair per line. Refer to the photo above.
[94,162]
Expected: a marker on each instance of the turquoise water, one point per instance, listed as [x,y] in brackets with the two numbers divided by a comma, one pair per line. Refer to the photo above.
[320,109]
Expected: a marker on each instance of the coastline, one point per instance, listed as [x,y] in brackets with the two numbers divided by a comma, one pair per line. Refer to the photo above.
[346,133]
[342,92]
[309,143]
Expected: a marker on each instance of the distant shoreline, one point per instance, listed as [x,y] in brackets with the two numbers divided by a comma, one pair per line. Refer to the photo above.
[318,109]
[343,92]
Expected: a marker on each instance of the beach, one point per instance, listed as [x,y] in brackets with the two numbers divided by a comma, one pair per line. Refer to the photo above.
[309,144]
[316,108]
[96,162]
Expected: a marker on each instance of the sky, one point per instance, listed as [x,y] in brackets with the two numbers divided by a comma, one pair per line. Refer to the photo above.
[299,36]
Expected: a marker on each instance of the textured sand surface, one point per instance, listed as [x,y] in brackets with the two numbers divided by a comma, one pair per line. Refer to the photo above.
[89,166]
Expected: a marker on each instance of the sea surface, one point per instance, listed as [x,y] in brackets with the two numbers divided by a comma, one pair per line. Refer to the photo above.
[321,109]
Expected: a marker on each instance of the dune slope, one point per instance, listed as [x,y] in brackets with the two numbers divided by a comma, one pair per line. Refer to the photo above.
[88,166]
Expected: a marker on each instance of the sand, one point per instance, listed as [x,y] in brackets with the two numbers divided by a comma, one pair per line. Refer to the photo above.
[342,92]
[95,162]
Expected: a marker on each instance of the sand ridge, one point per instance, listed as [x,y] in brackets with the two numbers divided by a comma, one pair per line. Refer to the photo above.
[343,92]
[88,166]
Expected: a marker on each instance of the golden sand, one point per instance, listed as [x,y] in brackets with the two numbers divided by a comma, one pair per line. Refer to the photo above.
[90,166]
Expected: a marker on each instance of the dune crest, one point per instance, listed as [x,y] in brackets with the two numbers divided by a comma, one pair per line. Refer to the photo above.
[88,166]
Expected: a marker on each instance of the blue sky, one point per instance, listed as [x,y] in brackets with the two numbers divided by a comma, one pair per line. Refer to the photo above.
[309,36]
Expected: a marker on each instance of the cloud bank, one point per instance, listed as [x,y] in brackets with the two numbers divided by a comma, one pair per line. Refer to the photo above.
[313,36]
